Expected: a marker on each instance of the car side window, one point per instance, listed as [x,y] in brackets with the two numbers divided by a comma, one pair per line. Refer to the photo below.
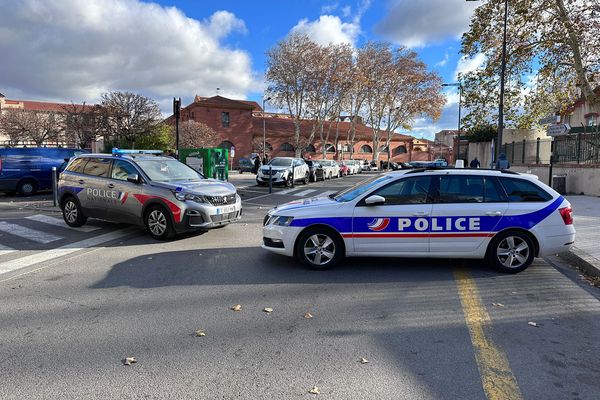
[77,165]
[493,192]
[122,169]
[97,167]
[414,190]
[461,189]
[522,190]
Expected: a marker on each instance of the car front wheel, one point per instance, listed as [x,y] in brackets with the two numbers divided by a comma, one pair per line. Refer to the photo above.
[320,248]
[159,224]
[511,252]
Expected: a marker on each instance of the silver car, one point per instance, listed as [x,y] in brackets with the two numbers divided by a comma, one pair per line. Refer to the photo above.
[160,193]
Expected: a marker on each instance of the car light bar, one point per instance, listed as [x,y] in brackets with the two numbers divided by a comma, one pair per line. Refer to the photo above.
[118,152]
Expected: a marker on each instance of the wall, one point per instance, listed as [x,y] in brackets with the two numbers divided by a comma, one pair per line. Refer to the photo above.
[481,150]
[517,135]
[580,178]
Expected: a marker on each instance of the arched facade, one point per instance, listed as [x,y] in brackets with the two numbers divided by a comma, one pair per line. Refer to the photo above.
[366,149]
[286,147]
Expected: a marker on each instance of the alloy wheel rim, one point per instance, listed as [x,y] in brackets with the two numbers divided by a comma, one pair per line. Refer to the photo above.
[27,188]
[71,211]
[157,222]
[319,249]
[512,252]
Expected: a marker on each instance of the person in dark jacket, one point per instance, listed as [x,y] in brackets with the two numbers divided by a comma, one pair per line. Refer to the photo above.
[256,165]
[475,163]
[502,162]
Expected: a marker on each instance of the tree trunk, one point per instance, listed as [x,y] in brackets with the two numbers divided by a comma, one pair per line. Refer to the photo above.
[297,136]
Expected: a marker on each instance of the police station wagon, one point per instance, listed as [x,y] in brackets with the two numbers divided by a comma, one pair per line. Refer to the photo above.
[137,187]
[505,217]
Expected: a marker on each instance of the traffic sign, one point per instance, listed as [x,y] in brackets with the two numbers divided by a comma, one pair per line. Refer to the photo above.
[232,151]
[558,129]
[550,119]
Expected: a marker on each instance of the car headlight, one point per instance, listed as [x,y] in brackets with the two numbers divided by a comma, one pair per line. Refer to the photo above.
[281,220]
[188,196]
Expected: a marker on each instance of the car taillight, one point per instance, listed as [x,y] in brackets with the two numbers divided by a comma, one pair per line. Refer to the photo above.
[567,215]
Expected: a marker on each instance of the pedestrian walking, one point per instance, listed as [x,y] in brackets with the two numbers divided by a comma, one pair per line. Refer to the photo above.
[502,162]
[256,165]
[475,163]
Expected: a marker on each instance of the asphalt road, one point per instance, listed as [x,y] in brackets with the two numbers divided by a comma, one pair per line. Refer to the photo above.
[428,328]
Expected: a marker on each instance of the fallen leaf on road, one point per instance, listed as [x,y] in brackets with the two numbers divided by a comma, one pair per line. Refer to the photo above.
[308,315]
[268,310]
[498,304]
[315,390]
[200,333]
[364,361]
[129,360]
[532,323]
[237,307]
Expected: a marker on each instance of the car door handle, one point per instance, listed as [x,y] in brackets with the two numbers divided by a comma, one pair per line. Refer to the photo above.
[110,185]
[81,181]
[420,214]
[494,213]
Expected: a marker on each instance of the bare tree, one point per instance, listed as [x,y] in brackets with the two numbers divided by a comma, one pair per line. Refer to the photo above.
[81,124]
[290,76]
[197,135]
[125,116]
[37,126]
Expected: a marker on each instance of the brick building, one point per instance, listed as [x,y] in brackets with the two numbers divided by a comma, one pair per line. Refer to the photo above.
[239,124]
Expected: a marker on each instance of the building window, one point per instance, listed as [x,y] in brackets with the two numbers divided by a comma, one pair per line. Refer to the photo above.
[365,148]
[192,115]
[347,148]
[399,150]
[226,144]
[225,119]
[310,149]
[591,119]
[417,149]
[286,147]
[329,148]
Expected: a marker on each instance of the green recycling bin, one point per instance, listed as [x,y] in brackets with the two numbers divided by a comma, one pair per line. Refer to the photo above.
[211,162]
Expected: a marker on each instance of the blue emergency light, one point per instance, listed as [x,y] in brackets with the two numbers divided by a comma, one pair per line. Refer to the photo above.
[120,152]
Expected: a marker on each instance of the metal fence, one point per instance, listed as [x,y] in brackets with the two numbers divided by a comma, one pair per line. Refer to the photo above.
[581,148]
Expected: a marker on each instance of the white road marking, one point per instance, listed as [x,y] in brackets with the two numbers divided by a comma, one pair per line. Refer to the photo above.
[67,249]
[305,193]
[47,219]
[286,191]
[5,250]
[28,233]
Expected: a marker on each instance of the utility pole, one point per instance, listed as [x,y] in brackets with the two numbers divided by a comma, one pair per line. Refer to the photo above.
[176,112]
[502,78]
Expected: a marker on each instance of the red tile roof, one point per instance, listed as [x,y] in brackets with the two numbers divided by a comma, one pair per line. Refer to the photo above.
[41,105]
[223,102]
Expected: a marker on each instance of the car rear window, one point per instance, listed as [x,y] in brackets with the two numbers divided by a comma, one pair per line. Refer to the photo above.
[97,167]
[77,165]
[522,190]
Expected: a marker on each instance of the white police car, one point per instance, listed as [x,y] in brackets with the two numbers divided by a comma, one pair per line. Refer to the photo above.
[505,217]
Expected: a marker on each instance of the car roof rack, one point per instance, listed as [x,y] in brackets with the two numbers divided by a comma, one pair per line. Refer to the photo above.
[425,169]
[121,152]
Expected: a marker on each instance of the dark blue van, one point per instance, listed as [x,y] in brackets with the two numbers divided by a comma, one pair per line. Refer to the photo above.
[26,170]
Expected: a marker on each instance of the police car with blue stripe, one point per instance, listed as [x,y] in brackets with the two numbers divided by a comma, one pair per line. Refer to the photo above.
[502,216]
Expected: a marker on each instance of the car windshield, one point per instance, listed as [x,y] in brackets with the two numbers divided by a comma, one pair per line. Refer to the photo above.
[325,163]
[353,192]
[281,162]
[164,170]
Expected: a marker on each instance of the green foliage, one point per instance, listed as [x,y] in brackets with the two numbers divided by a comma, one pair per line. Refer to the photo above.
[159,138]
[482,133]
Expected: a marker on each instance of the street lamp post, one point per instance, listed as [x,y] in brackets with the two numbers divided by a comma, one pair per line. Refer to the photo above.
[264,129]
[460,90]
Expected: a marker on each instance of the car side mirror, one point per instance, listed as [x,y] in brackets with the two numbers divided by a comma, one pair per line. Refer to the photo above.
[133,178]
[375,200]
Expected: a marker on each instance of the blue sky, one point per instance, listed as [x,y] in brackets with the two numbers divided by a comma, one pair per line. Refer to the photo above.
[75,50]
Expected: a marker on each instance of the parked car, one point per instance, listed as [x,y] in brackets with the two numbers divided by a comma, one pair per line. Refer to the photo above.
[316,171]
[26,170]
[354,166]
[331,168]
[440,162]
[140,187]
[394,166]
[344,169]
[246,165]
[284,170]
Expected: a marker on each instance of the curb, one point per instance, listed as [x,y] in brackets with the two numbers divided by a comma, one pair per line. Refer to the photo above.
[583,261]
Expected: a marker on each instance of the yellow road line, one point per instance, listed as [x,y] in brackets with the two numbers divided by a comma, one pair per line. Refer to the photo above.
[497,378]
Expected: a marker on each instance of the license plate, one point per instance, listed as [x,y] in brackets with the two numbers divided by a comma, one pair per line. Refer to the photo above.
[225,210]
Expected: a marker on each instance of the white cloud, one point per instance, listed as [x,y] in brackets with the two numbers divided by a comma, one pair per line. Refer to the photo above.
[466,64]
[420,23]
[346,11]
[75,50]
[444,61]
[329,8]
[328,29]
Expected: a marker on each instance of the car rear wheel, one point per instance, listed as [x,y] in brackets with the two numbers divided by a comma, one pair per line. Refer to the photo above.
[27,187]
[159,224]
[511,251]
[72,213]
[289,181]
[306,178]
[320,248]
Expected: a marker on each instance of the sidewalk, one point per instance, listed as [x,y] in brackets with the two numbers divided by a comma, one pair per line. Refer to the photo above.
[586,213]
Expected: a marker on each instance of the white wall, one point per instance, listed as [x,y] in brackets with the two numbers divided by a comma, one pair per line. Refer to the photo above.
[580,179]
